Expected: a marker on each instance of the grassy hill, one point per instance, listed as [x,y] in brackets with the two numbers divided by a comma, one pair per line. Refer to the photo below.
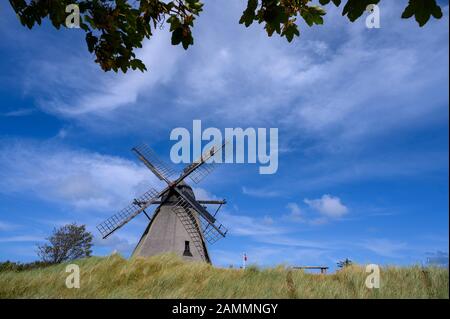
[167,276]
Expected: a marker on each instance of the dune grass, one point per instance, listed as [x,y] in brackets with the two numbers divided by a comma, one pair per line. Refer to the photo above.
[167,276]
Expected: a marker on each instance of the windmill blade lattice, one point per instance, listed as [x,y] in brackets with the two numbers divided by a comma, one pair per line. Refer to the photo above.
[116,221]
[210,233]
[201,172]
[161,169]
[204,165]
[183,211]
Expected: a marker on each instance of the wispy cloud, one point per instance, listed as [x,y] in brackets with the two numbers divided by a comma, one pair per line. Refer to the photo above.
[295,213]
[384,247]
[81,179]
[7,226]
[340,169]
[115,243]
[302,81]
[17,113]
[328,206]
[244,225]
[111,91]
[260,192]
[201,193]
[288,240]
[21,238]
[437,258]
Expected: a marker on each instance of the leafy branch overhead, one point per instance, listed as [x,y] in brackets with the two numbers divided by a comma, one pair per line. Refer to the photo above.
[115,28]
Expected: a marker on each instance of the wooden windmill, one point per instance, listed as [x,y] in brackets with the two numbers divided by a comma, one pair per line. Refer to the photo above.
[181,223]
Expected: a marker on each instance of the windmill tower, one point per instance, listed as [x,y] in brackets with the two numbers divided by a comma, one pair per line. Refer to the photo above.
[181,223]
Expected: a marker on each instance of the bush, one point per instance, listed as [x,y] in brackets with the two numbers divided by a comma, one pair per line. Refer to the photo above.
[16,266]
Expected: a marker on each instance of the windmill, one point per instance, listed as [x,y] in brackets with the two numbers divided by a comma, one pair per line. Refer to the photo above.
[181,223]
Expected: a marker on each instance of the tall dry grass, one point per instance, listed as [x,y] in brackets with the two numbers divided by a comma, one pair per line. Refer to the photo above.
[167,276]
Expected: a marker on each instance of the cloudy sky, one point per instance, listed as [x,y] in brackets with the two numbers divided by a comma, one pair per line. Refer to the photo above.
[363,135]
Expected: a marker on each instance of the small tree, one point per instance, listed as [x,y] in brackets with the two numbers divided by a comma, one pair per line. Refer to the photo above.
[68,242]
[344,263]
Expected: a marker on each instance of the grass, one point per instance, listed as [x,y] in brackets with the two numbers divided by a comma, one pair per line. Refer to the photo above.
[167,276]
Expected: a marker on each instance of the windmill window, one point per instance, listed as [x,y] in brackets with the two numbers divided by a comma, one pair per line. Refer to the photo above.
[187,250]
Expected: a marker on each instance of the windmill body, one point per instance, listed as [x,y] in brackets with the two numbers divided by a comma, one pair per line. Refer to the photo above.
[173,230]
[181,224]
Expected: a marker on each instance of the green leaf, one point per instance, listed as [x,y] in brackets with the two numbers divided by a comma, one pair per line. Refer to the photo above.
[422,10]
[312,15]
[137,64]
[187,41]
[249,15]
[436,12]
[325,2]
[409,12]
[177,36]
[290,30]
[91,41]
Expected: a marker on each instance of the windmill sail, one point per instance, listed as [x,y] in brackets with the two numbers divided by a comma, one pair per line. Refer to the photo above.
[196,205]
[116,221]
[200,173]
[212,231]
[204,165]
[191,224]
[153,162]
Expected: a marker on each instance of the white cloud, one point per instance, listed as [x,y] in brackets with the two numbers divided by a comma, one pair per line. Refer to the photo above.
[291,241]
[62,133]
[21,238]
[201,193]
[18,112]
[81,179]
[295,213]
[6,226]
[393,76]
[260,192]
[103,92]
[328,206]
[115,243]
[384,247]
[267,220]
[243,225]
[342,169]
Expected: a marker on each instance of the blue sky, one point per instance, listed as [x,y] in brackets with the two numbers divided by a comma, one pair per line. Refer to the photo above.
[363,132]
